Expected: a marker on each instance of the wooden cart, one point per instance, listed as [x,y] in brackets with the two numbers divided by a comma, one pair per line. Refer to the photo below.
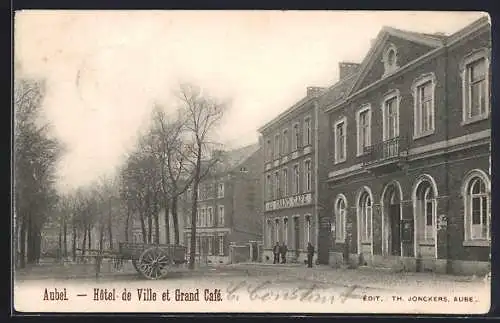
[152,261]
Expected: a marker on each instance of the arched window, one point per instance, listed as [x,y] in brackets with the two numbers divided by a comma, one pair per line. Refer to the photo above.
[365,216]
[477,208]
[340,218]
[425,209]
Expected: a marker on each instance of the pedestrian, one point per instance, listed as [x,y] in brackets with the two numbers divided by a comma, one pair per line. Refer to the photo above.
[310,254]
[276,252]
[283,251]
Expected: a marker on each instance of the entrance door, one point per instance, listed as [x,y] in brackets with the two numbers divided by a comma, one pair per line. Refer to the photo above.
[255,251]
[395,241]
[296,228]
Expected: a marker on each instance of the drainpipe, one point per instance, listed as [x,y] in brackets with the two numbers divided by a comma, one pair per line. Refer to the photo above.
[316,175]
[446,165]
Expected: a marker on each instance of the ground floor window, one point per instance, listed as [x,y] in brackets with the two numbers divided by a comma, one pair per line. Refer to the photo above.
[477,206]
[340,218]
[221,245]
[307,229]
[365,216]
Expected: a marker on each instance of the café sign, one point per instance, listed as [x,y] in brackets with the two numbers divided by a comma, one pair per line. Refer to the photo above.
[289,202]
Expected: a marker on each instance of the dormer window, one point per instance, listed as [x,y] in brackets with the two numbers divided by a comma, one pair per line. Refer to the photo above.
[390,59]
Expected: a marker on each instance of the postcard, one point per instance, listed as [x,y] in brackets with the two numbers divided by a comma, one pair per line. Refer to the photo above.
[252,161]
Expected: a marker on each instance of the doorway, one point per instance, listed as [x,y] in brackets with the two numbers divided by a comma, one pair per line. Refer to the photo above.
[255,251]
[395,232]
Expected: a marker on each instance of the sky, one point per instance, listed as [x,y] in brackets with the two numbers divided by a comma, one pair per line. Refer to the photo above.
[104,70]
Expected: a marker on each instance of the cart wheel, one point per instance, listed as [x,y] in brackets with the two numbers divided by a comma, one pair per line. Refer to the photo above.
[154,263]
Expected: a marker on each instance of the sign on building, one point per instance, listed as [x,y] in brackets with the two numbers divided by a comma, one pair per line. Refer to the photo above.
[289,202]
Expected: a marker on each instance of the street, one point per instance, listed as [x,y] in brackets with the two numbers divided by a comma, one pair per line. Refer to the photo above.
[256,288]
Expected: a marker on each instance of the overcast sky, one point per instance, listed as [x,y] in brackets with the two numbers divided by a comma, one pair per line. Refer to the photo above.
[104,70]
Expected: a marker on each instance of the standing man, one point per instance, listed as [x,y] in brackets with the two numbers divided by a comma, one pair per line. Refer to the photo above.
[283,251]
[276,252]
[310,254]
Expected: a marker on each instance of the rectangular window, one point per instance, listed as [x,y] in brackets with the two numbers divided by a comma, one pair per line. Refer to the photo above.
[296,137]
[340,141]
[276,185]
[285,182]
[296,179]
[269,150]
[307,131]
[276,146]
[221,246]
[285,142]
[220,219]
[308,176]
[220,190]
[391,125]
[210,245]
[476,87]
[424,118]
[269,187]
[364,130]
[210,217]
[285,231]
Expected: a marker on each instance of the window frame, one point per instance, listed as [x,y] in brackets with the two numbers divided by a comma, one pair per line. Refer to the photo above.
[368,109]
[418,83]
[295,136]
[307,175]
[390,68]
[276,185]
[342,121]
[307,229]
[285,143]
[296,179]
[220,215]
[340,226]
[285,230]
[284,174]
[307,135]
[365,216]
[393,94]
[468,197]
[469,59]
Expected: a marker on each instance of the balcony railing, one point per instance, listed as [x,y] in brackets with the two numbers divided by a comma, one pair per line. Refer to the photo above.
[390,149]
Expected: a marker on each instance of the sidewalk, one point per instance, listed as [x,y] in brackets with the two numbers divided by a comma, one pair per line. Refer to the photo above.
[363,276]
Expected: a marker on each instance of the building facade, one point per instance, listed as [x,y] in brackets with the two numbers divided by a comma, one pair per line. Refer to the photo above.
[409,154]
[291,186]
[229,207]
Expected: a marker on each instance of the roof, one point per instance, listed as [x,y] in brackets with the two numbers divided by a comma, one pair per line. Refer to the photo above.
[338,91]
[236,157]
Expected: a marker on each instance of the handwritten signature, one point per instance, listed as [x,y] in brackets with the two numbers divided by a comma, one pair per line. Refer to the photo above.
[265,291]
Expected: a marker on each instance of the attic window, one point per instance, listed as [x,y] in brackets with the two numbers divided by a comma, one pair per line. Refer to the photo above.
[390,59]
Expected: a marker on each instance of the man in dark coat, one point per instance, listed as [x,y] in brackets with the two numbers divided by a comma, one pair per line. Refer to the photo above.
[276,252]
[283,251]
[310,254]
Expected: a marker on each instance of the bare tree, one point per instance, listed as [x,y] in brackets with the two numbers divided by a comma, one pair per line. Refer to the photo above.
[203,114]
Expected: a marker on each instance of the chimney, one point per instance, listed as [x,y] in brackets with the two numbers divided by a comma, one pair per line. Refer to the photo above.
[314,90]
[346,69]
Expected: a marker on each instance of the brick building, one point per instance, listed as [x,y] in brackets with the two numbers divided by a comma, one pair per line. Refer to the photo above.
[409,158]
[229,206]
[291,188]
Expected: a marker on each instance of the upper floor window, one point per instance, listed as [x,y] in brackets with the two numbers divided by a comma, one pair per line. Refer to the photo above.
[340,140]
[269,187]
[307,175]
[276,146]
[220,219]
[390,59]
[390,115]
[423,108]
[210,217]
[363,120]
[475,78]
[269,149]
[220,190]
[307,131]
[477,206]
[296,179]
[296,137]
[276,185]
[285,181]
[284,146]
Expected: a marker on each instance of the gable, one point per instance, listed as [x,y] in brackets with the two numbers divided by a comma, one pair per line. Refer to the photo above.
[375,66]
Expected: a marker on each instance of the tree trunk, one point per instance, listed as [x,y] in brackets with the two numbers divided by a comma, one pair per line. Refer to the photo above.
[127,224]
[89,231]
[74,242]
[60,249]
[143,228]
[167,223]
[29,242]
[150,226]
[157,227]
[84,242]
[110,227]
[175,219]
[65,238]
[37,245]
[22,244]
[196,182]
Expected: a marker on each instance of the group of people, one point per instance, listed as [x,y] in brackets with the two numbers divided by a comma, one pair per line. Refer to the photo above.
[281,250]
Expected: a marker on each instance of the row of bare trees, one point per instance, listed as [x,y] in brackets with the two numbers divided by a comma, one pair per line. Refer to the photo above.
[173,154]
